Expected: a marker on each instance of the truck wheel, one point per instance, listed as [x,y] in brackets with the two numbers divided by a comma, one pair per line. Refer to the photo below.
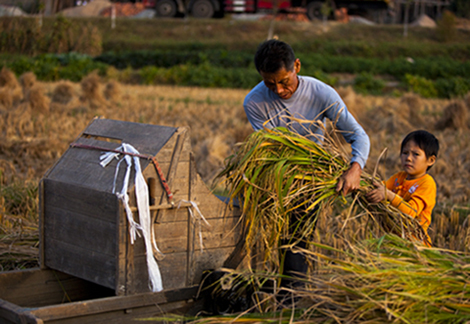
[202,9]
[314,10]
[165,8]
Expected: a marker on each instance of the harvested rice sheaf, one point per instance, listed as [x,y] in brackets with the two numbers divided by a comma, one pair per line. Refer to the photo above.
[276,172]
[383,280]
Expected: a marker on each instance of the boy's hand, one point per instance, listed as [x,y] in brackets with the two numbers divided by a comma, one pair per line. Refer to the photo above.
[378,194]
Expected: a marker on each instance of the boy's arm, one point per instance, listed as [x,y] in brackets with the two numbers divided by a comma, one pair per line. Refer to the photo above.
[424,196]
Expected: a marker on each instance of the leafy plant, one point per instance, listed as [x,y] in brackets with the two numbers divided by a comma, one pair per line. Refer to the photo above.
[367,83]
[421,86]
[446,27]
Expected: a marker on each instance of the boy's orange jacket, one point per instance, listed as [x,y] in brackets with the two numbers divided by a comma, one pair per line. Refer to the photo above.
[416,197]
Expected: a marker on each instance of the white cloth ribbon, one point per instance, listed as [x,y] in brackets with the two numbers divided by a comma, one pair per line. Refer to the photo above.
[197,219]
[145,222]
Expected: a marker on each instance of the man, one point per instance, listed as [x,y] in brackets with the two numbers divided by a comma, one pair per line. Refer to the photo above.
[284,95]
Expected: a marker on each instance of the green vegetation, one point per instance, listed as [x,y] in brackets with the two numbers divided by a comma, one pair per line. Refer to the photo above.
[219,53]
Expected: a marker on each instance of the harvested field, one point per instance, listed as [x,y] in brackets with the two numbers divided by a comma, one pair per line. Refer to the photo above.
[38,127]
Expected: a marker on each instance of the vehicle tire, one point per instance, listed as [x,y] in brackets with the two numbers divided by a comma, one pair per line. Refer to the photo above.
[166,8]
[314,10]
[202,9]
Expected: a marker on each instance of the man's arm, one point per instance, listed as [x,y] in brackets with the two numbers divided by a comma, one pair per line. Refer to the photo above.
[350,179]
[355,135]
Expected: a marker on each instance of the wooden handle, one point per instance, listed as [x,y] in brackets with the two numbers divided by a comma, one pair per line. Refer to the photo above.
[165,206]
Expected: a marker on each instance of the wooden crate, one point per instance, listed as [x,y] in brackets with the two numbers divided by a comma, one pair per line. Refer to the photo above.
[42,296]
[83,226]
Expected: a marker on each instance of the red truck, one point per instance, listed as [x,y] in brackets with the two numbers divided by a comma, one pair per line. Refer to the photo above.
[217,8]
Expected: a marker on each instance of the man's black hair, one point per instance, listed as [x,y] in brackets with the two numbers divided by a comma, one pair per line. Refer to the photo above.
[425,140]
[273,55]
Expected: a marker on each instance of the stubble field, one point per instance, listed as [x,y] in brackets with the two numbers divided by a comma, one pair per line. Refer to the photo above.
[39,120]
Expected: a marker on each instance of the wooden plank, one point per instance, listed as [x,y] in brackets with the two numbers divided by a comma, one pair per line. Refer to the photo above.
[122,238]
[223,232]
[83,231]
[80,262]
[193,178]
[146,138]
[39,287]
[209,259]
[236,256]
[41,223]
[170,175]
[59,161]
[172,269]
[87,202]
[10,313]
[130,269]
[128,315]
[109,304]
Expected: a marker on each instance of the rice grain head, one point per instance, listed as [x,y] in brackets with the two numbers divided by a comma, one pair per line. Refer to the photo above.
[38,100]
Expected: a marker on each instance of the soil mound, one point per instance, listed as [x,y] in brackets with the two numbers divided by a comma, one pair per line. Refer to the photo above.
[424,21]
[92,9]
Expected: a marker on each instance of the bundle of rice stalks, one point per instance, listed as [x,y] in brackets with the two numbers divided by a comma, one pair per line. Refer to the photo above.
[8,79]
[385,280]
[6,99]
[63,93]
[9,82]
[27,80]
[277,173]
[91,88]
[37,99]
[455,117]
[112,91]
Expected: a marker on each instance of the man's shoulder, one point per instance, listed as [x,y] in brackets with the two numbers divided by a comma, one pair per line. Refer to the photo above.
[258,93]
[321,89]
[311,81]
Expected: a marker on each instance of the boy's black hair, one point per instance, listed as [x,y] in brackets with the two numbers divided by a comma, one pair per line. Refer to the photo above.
[425,140]
[273,55]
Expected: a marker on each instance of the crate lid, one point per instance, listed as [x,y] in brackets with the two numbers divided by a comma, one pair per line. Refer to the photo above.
[81,166]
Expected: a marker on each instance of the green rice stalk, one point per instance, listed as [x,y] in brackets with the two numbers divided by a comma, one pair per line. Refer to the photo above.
[275,172]
[384,280]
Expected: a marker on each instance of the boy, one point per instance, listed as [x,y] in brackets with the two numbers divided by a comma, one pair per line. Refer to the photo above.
[413,190]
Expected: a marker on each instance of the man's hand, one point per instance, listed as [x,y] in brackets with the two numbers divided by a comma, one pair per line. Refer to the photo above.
[350,179]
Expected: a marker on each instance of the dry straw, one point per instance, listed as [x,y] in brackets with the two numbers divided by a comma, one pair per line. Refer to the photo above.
[91,90]
[27,81]
[37,99]
[276,172]
[63,93]
[112,91]
[9,82]
[455,117]
[384,280]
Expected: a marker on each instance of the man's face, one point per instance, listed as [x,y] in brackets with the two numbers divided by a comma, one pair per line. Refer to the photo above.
[283,82]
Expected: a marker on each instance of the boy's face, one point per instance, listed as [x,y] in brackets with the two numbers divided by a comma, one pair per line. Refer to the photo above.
[283,83]
[414,161]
